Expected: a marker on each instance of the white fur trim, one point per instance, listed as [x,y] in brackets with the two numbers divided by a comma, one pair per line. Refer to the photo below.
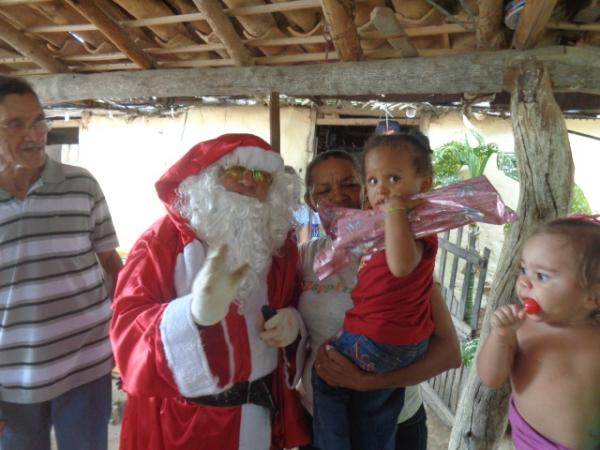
[184,350]
[253,158]
[255,428]
[300,354]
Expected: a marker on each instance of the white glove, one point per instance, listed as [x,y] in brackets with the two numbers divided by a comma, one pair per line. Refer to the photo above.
[214,288]
[282,329]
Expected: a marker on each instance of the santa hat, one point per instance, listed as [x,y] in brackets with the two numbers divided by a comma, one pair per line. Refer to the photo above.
[227,150]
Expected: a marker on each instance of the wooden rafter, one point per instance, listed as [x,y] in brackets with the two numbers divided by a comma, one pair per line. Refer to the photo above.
[570,69]
[532,23]
[339,20]
[112,31]
[384,19]
[29,48]
[221,25]
[489,25]
[21,2]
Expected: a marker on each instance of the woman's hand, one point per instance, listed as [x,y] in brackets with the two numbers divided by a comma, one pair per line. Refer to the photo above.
[337,370]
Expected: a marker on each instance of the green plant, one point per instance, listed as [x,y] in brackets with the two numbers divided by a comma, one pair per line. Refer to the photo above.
[452,156]
[469,348]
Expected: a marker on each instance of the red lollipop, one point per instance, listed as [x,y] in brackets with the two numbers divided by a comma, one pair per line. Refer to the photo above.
[531,306]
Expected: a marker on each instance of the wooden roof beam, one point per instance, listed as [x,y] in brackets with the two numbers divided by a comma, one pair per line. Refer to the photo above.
[112,31]
[339,18]
[30,48]
[571,69]
[489,26]
[532,23]
[222,27]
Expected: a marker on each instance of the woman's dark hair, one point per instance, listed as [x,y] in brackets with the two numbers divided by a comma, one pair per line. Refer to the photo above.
[14,86]
[418,142]
[330,154]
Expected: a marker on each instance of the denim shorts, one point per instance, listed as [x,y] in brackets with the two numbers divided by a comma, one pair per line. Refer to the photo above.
[374,356]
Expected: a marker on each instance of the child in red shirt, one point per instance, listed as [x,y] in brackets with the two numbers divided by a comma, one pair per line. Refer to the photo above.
[391,321]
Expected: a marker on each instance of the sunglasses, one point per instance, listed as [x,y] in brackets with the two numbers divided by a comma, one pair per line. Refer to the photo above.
[259,176]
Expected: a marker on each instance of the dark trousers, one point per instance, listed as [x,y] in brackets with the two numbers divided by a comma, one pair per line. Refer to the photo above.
[410,434]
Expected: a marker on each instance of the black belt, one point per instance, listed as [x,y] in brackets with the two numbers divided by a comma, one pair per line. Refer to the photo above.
[257,392]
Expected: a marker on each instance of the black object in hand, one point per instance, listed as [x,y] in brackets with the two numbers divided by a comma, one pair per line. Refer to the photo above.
[267,312]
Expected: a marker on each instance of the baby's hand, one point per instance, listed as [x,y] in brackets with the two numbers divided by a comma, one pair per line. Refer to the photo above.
[508,319]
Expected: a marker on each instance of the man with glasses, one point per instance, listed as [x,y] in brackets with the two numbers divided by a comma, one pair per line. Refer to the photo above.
[57,269]
[203,366]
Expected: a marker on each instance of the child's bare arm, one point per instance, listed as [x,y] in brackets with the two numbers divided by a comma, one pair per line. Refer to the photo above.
[402,251]
[495,359]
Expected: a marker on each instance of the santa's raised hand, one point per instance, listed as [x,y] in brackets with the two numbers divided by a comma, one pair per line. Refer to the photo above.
[214,288]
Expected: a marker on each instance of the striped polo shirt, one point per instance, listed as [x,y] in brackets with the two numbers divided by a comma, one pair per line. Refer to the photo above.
[54,306]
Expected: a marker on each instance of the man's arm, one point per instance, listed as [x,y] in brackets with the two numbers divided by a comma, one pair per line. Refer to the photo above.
[112,264]
[442,354]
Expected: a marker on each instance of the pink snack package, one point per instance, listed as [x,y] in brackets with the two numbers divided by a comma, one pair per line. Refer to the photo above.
[356,233]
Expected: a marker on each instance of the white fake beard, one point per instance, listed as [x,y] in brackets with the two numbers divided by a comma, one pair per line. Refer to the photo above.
[253,230]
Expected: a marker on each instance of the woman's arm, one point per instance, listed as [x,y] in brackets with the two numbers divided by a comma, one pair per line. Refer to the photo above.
[442,354]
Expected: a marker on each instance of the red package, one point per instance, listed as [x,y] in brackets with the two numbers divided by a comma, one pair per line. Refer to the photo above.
[356,233]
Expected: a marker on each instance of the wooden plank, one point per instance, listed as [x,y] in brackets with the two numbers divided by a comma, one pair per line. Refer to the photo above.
[112,31]
[532,23]
[274,122]
[571,69]
[480,287]
[431,30]
[22,2]
[489,25]
[573,26]
[181,18]
[455,249]
[442,270]
[339,20]
[29,48]
[224,30]
[439,408]
[339,121]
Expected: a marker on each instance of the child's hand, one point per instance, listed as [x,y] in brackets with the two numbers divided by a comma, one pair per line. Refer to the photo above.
[396,204]
[508,319]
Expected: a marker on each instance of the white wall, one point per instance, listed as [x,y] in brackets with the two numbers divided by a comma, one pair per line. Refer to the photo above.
[129,156]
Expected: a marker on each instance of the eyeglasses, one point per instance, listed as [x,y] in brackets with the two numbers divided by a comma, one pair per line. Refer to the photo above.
[41,126]
[259,176]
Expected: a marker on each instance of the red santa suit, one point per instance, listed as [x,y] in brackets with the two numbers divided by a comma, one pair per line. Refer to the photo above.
[165,358]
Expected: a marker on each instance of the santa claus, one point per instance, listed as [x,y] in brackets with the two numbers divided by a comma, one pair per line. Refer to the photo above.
[202,368]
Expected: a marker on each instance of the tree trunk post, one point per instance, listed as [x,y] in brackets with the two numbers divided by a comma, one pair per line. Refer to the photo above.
[546,181]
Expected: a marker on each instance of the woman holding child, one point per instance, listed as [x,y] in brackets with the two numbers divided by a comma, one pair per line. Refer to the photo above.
[334,176]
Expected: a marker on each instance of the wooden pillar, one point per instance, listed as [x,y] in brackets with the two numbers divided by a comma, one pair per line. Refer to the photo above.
[274,121]
[546,174]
